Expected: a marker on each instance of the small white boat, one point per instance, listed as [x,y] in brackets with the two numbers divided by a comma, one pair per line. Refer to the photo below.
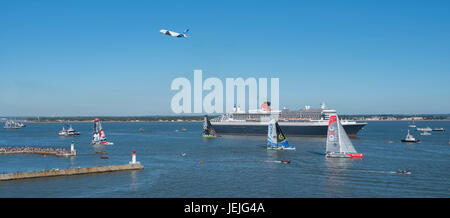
[68,132]
[424,129]
[410,138]
[403,172]
[425,133]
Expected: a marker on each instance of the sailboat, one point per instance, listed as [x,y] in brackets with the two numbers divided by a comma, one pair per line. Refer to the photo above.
[12,124]
[98,136]
[276,140]
[338,143]
[208,130]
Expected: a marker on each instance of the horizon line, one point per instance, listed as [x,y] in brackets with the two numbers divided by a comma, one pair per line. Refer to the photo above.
[196,115]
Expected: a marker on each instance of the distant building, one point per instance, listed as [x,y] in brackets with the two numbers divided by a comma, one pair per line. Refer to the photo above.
[373,118]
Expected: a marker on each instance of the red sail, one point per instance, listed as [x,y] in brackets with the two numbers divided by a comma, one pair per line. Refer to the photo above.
[333,118]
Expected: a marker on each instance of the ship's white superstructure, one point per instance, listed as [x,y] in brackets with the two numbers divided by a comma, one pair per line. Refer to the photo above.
[307,121]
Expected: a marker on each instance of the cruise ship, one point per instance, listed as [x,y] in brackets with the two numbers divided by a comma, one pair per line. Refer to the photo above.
[304,122]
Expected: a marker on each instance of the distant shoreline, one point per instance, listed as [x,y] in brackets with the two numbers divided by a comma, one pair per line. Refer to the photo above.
[401,120]
[116,121]
[197,121]
[199,118]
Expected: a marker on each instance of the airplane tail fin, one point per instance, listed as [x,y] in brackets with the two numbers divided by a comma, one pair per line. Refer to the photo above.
[185,31]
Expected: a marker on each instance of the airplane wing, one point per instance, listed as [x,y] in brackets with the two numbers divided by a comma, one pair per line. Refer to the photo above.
[173,33]
[168,32]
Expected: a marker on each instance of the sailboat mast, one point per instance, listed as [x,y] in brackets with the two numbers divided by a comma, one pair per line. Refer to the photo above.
[339,130]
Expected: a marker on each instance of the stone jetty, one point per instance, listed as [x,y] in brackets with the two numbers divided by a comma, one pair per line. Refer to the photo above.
[40,150]
[37,150]
[132,165]
[70,172]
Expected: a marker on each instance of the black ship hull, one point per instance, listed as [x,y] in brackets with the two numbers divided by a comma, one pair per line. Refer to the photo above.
[288,129]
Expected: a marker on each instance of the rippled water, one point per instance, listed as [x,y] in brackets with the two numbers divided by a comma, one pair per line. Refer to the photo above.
[233,166]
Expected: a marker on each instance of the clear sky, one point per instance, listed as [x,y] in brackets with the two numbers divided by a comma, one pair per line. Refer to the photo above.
[96,58]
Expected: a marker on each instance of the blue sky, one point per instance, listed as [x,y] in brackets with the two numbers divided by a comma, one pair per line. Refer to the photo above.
[97,58]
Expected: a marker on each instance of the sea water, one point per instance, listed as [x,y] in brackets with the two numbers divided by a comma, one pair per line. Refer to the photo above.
[229,166]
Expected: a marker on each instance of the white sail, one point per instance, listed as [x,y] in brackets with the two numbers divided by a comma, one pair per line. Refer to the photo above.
[271,132]
[346,144]
[95,137]
[333,141]
[102,135]
[95,134]
[98,126]
[337,139]
[11,124]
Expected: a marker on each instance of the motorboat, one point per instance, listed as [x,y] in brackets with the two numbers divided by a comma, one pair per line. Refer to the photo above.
[424,129]
[403,171]
[69,132]
[410,138]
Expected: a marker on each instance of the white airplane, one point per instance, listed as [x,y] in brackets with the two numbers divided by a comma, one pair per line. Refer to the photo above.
[174,34]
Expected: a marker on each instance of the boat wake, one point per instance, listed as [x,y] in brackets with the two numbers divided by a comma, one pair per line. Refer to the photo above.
[384,172]
[318,153]
[278,161]
[379,171]
[272,161]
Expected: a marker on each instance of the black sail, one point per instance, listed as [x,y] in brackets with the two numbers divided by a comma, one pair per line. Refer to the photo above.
[280,135]
[207,127]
